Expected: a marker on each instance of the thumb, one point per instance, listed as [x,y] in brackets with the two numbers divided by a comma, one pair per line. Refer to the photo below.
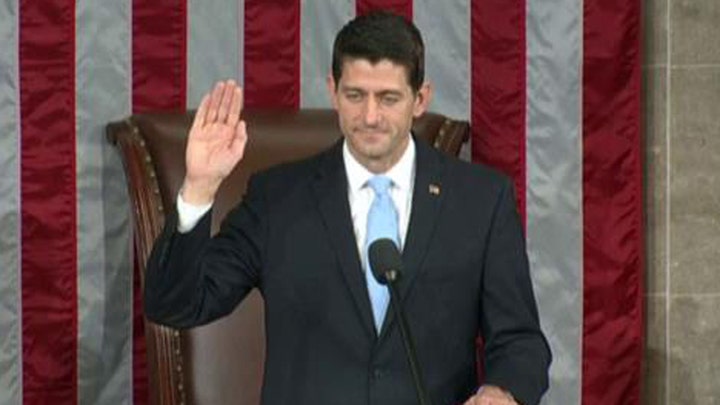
[239,141]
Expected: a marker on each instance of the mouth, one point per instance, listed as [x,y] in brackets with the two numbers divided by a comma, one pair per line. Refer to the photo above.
[371,137]
[371,131]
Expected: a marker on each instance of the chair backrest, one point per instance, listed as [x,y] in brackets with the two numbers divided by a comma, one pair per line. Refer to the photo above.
[222,363]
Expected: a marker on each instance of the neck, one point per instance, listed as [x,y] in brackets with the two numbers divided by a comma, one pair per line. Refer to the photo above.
[382,164]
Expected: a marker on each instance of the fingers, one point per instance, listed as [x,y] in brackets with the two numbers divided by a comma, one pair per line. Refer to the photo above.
[214,105]
[224,104]
[200,114]
[225,99]
[491,395]
[236,105]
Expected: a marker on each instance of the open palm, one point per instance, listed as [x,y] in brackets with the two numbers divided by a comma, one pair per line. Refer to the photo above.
[216,142]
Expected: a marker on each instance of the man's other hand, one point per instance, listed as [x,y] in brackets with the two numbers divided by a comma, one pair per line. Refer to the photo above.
[216,142]
[491,395]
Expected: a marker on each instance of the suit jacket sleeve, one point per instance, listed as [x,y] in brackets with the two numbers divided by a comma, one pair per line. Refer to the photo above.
[193,279]
[517,355]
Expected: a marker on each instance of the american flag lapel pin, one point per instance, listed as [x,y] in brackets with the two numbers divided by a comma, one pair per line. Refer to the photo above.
[434,189]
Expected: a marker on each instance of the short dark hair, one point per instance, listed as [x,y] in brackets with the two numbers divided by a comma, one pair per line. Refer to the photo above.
[381,35]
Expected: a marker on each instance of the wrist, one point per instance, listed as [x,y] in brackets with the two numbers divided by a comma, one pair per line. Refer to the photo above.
[199,193]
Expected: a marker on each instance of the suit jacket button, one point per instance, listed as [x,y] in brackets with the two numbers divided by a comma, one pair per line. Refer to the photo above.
[377,373]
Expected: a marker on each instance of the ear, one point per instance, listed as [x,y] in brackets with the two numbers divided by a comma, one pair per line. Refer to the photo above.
[332,90]
[422,99]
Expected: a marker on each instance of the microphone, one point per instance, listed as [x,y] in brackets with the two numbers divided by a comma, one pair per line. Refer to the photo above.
[385,261]
[386,265]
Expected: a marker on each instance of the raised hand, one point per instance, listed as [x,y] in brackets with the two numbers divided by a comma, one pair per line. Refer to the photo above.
[216,142]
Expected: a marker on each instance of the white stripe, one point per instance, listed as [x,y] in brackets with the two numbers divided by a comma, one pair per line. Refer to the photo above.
[668,205]
[212,46]
[319,22]
[445,26]
[104,269]
[554,185]
[10,304]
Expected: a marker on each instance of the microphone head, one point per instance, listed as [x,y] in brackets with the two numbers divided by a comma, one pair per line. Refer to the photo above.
[385,260]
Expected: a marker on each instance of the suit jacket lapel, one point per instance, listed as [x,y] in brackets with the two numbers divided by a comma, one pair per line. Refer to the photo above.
[331,194]
[427,199]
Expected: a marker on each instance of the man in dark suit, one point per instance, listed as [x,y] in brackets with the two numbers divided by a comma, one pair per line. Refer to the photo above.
[301,234]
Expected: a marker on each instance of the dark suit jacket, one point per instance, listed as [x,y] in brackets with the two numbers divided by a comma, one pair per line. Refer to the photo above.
[466,274]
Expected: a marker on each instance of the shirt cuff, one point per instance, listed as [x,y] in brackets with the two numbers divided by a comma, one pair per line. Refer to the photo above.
[189,215]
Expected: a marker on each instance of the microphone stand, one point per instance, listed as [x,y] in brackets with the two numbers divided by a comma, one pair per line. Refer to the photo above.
[407,340]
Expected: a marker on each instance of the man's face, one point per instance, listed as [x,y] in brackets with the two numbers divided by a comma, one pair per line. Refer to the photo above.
[376,106]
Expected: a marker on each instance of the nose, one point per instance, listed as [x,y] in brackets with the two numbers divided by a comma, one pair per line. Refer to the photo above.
[372,114]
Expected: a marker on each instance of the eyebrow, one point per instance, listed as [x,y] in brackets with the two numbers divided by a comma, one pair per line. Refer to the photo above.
[381,93]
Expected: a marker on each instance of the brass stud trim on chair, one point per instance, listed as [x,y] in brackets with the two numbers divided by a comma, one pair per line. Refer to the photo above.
[150,169]
[442,132]
[173,342]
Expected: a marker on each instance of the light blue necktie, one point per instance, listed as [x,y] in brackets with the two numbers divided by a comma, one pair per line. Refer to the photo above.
[382,222]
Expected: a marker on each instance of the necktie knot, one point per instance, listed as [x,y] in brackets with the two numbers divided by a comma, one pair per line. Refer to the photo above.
[380,185]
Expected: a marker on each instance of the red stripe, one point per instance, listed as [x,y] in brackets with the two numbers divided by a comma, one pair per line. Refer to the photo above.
[612,193]
[272,53]
[401,7]
[159,48]
[498,88]
[48,192]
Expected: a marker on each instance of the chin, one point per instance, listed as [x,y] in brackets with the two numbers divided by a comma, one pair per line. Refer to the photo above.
[372,151]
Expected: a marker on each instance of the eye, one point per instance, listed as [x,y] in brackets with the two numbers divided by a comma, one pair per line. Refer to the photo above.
[353,96]
[390,100]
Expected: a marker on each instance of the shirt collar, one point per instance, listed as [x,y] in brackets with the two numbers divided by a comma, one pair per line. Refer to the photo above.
[401,173]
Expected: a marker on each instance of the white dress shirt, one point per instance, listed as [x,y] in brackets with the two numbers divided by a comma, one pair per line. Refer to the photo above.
[360,196]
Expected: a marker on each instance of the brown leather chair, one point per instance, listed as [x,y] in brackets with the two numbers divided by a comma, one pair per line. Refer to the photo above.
[222,363]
